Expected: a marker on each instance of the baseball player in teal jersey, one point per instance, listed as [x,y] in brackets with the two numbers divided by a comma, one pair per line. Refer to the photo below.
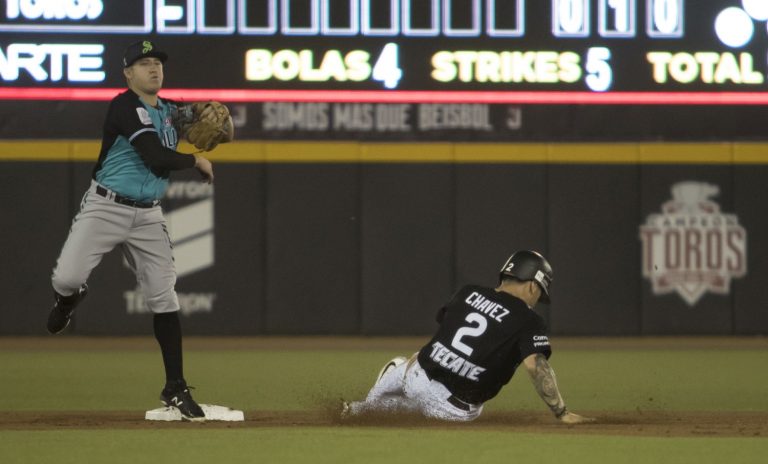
[122,207]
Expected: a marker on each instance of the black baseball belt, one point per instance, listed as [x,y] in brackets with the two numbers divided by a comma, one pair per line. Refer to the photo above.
[123,200]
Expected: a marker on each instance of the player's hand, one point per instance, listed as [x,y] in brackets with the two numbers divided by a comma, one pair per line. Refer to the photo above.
[205,168]
[571,419]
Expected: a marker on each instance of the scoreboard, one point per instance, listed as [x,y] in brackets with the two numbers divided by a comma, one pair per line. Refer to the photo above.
[669,61]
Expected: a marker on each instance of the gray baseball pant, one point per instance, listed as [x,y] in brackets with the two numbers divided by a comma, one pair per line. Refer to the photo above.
[99,226]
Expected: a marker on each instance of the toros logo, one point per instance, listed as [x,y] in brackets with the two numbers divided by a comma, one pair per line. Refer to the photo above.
[692,247]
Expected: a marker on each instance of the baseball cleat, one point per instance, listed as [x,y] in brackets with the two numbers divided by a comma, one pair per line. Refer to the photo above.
[393,363]
[62,310]
[178,396]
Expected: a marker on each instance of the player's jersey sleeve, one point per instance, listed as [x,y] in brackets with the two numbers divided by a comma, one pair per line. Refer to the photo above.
[533,339]
[129,118]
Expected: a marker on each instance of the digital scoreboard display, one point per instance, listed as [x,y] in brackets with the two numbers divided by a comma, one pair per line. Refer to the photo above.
[642,53]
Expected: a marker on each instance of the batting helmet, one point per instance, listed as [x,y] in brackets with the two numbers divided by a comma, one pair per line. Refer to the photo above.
[529,265]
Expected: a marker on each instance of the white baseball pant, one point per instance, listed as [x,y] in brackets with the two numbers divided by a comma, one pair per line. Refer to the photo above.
[407,388]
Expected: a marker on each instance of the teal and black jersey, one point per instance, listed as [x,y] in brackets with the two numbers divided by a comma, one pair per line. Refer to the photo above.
[120,167]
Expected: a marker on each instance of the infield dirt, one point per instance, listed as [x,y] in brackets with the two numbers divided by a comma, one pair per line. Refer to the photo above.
[638,423]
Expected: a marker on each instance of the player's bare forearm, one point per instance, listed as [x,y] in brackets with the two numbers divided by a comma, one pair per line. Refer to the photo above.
[545,383]
[204,167]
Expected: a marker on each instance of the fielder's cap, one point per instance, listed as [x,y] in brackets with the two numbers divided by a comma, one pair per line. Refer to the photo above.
[142,49]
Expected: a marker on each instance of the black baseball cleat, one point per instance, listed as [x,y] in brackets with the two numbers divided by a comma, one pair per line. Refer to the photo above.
[61,313]
[178,396]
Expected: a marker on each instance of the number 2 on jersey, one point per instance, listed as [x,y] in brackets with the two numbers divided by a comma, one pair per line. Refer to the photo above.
[471,331]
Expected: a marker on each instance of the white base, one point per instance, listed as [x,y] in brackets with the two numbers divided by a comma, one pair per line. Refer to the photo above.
[212,412]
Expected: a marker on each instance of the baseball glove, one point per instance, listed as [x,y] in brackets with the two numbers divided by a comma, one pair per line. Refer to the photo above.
[209,125]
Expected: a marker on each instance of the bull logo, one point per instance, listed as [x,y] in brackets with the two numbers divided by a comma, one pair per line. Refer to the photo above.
[692,247]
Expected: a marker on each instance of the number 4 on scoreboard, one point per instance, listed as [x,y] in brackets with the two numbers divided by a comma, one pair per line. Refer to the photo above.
[386,69]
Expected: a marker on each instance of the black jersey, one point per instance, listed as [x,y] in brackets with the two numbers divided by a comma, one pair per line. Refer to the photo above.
[484,336]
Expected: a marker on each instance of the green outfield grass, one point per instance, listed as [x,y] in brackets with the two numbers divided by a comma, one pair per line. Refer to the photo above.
[312,380]
[368,445]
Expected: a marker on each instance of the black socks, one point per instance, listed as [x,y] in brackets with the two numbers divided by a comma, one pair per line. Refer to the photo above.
[168,334]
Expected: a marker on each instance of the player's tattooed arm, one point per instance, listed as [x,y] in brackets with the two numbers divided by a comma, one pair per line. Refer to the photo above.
[545,383]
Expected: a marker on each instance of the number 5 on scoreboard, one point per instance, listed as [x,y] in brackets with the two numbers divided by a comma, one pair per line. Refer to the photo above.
[599,74]
[386,69]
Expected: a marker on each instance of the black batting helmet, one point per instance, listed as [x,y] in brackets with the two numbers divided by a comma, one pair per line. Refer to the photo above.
[529,265]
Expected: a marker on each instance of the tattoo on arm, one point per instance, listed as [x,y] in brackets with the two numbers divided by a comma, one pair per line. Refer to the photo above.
[543,378]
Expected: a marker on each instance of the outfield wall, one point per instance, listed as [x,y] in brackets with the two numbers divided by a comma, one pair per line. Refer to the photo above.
[371,238]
